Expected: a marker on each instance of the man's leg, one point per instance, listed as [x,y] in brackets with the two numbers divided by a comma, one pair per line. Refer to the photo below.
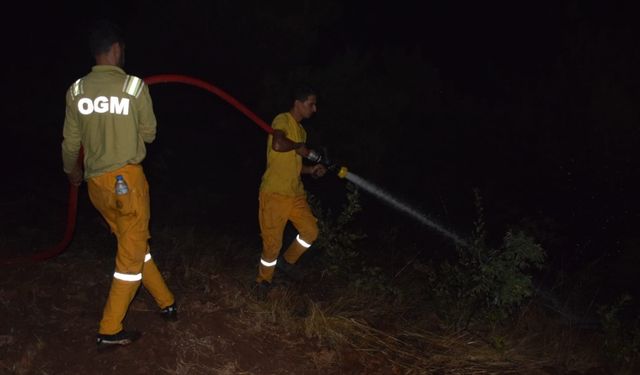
[151,277]
[307,226]
[273,215]
[154,282]
[131,233]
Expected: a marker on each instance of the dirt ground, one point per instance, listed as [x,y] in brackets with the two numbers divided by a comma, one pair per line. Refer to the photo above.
[50,312]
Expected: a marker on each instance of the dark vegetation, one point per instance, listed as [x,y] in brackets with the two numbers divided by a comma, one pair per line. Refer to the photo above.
[518,137]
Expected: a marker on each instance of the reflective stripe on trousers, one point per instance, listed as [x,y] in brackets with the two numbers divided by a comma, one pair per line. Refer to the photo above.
[274,212]
[128,218]
[128,277]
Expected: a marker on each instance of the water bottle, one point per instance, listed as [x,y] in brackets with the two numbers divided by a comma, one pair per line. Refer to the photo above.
[121,186]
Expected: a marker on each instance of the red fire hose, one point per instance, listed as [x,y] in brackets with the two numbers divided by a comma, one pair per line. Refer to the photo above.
[176,78]
[73,190]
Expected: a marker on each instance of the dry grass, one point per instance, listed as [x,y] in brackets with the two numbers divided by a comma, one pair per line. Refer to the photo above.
[193,368]
[524,347]
[357,330]
[342,327]
[25,364]
[412,352]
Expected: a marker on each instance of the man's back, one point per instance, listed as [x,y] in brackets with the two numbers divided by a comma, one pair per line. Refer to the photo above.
[111,114]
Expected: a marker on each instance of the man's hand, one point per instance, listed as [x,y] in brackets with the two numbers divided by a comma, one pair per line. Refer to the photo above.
[75,177]
[301,149]
[318,170]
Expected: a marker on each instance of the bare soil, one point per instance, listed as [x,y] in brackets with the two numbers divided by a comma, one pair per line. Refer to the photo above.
[50,312]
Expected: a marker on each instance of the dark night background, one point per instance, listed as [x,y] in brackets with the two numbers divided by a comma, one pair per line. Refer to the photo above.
[532,103]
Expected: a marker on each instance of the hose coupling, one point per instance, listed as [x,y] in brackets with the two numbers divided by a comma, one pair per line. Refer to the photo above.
[342,173]
[313,156]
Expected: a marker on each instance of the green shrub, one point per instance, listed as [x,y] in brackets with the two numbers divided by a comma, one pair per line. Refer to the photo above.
[486,283]
[338,238]
[621,337]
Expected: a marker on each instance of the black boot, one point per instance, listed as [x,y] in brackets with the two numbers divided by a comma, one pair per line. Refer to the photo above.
[291,270]
[120,338]
[170,313]
[262,290]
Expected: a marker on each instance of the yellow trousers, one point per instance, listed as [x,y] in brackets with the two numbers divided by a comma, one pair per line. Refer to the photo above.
[128,217]
[274,213]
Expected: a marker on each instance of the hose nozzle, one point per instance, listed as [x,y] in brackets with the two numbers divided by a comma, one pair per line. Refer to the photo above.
[342,173]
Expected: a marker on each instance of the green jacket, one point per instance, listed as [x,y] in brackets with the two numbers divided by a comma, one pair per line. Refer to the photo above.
[110,114]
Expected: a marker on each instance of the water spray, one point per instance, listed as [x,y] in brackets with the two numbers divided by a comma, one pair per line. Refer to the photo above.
[344,173]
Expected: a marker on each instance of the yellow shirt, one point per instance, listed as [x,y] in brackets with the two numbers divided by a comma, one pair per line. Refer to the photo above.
[282,175]
[109,114]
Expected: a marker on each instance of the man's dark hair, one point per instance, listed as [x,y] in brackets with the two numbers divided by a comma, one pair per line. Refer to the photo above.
[102,35]
[301,92]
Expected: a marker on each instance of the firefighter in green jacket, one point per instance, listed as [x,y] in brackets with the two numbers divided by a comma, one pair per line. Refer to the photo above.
[109,115]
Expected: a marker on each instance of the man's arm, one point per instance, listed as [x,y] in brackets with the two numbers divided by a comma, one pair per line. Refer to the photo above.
[281,143]
[147,120]
[71,144]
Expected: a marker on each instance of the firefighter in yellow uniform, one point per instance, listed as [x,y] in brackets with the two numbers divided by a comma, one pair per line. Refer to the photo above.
[109,115]
[282,196]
